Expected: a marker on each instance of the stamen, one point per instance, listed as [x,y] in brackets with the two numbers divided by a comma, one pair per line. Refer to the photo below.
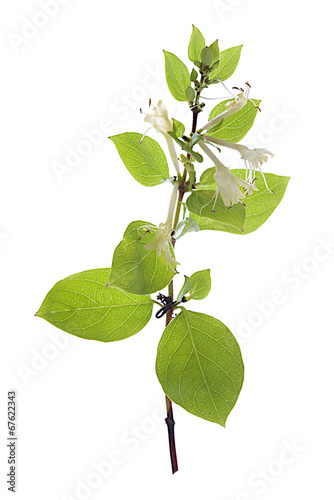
[148,227]
[255,106]
[149,102]
[246,175]
[246,92]
[214,203]
[214,98]
[142,138]
[265,182]
[223,84]
[214,196]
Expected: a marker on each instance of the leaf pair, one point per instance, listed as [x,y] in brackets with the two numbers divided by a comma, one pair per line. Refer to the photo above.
[199,364]
[228,59]
[177,74]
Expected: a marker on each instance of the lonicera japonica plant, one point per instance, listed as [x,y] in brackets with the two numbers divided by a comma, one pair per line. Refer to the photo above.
[199,363]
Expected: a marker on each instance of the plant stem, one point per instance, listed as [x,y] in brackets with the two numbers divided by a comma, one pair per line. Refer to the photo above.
[170,419]
[171,437]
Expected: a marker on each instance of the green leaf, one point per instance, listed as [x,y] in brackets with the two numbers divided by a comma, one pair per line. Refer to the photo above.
[215,51]
[187,286]
[177,76]
[213,67]
[196,45]
[178,128]
[200,204]
[195,139]
[228,61]
[186,147]
[193,75]
[136,270]
[259,206]
[188,225]
[145,161]
[198,285]
[206,57]
[190,94]
[83,306]
[236,126]
[207,180]
[201,285]
[199,365]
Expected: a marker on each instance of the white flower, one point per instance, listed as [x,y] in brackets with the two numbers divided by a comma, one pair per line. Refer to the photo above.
[162,241]
[228,185]
[162,244]
[254,158]
[227,182]
[160,120]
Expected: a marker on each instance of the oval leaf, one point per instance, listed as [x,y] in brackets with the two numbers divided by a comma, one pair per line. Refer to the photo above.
[228,61]
[196,45]
[201,284]
[207,180]
[199,365]
[215,51]
[177,76]
[198,286]
[261,204]
[136,270]
[83,306]
[145,161]
[236,126]
[200,203]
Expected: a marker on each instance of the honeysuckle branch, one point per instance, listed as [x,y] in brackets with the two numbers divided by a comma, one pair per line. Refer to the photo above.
[170,418]
[135,274]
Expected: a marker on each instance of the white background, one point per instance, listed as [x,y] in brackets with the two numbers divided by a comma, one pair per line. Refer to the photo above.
[92,62]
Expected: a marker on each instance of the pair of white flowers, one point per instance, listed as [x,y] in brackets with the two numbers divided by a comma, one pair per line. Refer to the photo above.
[228,184]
